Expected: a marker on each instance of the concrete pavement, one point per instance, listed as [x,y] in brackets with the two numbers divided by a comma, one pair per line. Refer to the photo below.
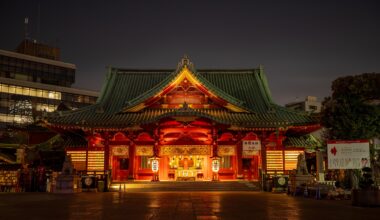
[176,205]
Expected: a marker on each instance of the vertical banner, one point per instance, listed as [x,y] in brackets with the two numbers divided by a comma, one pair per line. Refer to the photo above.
[348,154]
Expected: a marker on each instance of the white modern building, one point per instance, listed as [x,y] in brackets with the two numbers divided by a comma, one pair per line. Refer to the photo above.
[310,104]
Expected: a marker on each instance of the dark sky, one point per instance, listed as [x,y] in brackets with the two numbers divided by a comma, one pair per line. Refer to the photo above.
[303,45]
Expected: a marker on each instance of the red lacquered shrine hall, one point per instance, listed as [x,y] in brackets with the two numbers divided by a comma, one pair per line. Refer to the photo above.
[186,118]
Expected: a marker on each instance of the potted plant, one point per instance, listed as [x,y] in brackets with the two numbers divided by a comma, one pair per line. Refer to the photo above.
[367,194]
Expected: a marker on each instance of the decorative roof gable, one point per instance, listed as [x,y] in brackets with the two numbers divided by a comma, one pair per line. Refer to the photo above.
[184,72]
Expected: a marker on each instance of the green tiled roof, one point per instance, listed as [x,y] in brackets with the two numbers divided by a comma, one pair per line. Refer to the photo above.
[305,141]
[7,158]
[9,146]
[246,88]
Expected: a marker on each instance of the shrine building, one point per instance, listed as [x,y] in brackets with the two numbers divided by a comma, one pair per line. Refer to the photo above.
[184,125]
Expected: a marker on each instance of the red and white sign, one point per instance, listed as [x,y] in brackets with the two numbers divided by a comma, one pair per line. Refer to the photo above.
[348,154]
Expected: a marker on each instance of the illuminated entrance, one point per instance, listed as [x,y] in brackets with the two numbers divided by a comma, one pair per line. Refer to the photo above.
[186,162]
[187,168]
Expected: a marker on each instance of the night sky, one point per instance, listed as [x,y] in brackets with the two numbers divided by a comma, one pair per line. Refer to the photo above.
[303,45]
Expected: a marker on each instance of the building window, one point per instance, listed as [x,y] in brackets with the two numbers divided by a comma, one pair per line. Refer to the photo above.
[45,94]
[51,95]
[123,163]
[93,100]
[86,99]
[145,163]
[13,118]
[4,88]
[20,76]
[312,107]
[4,103]
[79,98]
[226,162]
[25,91]
[12,89]
[33,92]
[275,162]
[45,107]
[39,93]
[18,90]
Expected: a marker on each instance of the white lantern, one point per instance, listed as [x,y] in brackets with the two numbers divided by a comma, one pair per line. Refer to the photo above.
[155,165]
[215,165]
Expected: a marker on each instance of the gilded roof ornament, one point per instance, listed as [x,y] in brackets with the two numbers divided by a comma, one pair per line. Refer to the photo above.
[185,62]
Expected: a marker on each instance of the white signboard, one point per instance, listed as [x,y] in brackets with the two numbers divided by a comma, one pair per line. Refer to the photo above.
[251,148]
[251,145]
[348,154]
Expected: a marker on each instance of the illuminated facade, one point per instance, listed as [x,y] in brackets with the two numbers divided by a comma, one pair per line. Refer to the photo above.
[34,81]
[185,124]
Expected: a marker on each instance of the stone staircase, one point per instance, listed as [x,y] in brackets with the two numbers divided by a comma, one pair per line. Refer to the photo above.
[168,186]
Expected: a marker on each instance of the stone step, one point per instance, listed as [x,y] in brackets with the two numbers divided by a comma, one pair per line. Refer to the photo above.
[184,186]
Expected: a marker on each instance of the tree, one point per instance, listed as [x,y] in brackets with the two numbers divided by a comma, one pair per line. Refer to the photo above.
[353,110]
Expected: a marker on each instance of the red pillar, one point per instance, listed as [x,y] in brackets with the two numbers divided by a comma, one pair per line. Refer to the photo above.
[87,148]
[239,149]
[132,148]
[263,152]
[106,151]
[239,159]
[255,165]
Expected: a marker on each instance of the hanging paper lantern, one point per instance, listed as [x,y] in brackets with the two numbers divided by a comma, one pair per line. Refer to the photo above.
[155,165]
[215,165]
